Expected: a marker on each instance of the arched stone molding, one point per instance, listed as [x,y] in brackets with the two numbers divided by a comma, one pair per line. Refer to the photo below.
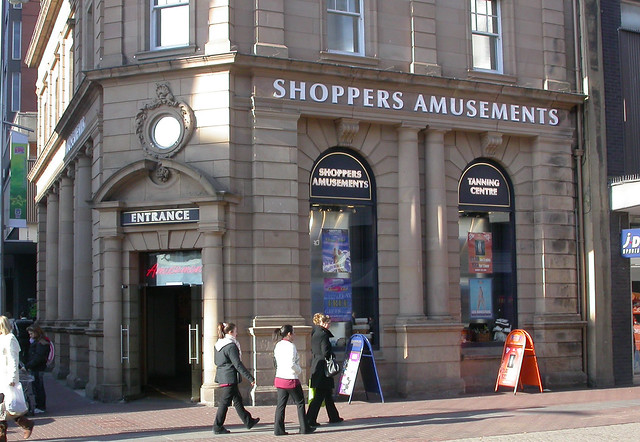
[119,181]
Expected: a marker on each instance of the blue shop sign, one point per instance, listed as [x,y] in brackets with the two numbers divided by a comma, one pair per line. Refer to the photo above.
[630,241]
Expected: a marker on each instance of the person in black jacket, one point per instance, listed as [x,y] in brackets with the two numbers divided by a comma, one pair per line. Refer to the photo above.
[229,373]
[324,385]
[37,364]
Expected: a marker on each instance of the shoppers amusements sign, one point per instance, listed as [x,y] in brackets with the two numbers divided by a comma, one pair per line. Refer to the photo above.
[339,175]
[416,102]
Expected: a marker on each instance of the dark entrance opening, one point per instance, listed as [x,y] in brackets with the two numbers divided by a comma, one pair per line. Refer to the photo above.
[171,314]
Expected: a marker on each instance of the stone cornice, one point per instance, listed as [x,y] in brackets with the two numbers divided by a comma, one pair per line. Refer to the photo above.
[49,10]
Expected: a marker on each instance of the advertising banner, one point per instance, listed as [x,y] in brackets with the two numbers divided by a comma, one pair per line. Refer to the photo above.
[480,252]
[173,268]
[18,183]
[337,299]
[336,256]
[359,358]
[480,298]
[519,365]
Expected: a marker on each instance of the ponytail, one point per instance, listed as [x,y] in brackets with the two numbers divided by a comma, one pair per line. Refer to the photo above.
[225,328]
[283,331]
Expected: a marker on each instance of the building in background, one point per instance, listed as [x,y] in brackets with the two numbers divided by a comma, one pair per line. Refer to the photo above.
[18,141]
[413,169]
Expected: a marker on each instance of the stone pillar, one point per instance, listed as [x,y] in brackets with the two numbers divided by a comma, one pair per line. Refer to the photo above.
[409,225]
[219,40]
[82,275]
[112,380]
[51,294]
[436,226]
[269,29]
[65,275]
[424,345]
[212,310]
[41,260]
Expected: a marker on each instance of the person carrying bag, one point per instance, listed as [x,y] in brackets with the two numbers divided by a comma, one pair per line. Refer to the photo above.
[322,371]
[13,403]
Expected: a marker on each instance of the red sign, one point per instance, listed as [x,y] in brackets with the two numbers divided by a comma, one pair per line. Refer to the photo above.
[519,364]
[480,252]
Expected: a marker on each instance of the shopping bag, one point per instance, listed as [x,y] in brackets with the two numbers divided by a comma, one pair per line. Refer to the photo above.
[14,401]
[312,393]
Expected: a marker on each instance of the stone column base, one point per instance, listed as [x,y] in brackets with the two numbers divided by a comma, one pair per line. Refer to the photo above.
[428,357]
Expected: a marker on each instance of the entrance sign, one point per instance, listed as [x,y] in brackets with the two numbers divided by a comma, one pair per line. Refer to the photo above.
[519,364]
[630,243]
[359,357]
[167,216]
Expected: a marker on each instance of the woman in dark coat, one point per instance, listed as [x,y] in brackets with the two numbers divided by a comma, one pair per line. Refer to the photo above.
[37,364]
[321,350]
[228,374]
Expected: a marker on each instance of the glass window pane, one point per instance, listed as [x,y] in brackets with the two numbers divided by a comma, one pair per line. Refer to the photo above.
[17,40]
[15,92]
[173,27]
[342,33]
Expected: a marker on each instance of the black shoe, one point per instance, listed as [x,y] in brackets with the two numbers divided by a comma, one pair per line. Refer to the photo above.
[281,434]
[337,421]
[309,430]
[253,422]
[314,424]
[222,430]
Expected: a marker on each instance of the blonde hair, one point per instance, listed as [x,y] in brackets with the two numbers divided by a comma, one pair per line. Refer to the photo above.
[320,318]
[5,325]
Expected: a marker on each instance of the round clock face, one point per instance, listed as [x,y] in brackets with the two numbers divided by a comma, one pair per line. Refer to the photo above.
[166,132]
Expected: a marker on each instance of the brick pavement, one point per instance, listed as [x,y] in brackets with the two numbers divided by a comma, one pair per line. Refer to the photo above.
[72,417]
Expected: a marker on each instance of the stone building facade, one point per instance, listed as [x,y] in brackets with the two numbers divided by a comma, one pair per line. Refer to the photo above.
[406,167]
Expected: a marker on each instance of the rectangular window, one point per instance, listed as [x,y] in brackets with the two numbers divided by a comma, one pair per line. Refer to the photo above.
[169,23]
[15,92]
[17,40]
[345,26]
[486,35]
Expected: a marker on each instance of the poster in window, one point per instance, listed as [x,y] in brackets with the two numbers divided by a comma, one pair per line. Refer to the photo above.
[480,290]
[337,299]
[336,255]
[480,252]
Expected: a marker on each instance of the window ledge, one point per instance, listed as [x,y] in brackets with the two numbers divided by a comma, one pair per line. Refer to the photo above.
[348,58]
[165,53]
[493,77]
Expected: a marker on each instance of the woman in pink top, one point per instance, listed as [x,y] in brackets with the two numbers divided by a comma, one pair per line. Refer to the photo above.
[285,356]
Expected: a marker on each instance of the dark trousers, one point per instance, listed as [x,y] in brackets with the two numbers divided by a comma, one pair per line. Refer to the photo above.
[38,389]
[325,395]
[230,394]
[298,398]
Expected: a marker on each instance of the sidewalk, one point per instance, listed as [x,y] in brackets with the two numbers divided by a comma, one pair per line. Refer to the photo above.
[604,414]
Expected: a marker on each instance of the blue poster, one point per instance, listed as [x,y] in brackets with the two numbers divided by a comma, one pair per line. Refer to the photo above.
[480,298]
[336,256]
[337,299]
[630,243]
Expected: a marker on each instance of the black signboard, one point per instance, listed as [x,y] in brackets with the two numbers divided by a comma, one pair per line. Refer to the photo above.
[166,216]
[340,176]
[359,358]
[483,184]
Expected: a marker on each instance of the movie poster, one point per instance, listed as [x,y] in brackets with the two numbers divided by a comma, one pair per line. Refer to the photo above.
[337,299]
[336,256]
[480,305]
[480,252]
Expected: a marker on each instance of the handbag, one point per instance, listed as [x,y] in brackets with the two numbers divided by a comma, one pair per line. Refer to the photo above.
[331,368]
[14,401]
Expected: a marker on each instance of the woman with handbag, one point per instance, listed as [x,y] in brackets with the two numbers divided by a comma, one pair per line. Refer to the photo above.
[287,362]
[13,402]
[323,384]
[229,373]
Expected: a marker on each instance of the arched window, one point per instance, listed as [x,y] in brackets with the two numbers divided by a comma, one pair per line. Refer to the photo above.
[486,227]
[342,234]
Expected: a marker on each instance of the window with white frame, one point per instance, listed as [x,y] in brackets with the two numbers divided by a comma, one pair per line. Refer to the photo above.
[15,92]
[16,40]
[486,35]
[169,23]
[345,26]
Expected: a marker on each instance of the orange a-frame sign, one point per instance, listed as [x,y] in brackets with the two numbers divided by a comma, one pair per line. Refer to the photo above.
[519,364]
